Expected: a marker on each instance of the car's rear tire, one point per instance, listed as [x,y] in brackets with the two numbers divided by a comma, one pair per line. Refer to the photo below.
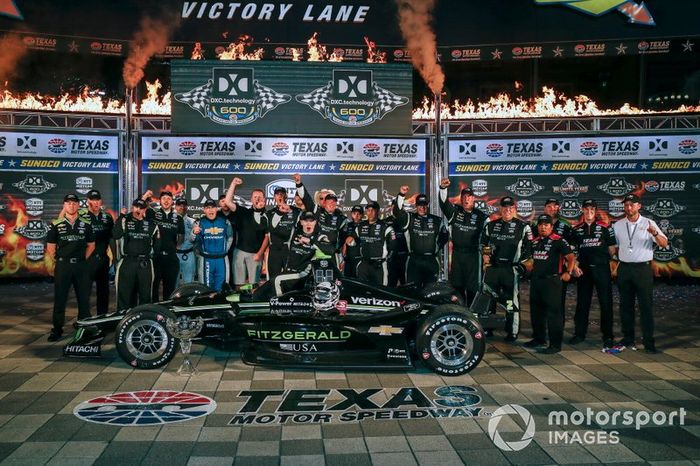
[142,338]
[450,340]
[190,289]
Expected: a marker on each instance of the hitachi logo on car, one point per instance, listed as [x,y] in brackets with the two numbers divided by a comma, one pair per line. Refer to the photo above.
[375,301]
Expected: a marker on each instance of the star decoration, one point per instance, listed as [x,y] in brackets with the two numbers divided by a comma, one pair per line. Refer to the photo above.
[621,49]
[333,167]
[688,46]
[558,51]
[496,54]
[644,166]
[12,163]
[73,47]
[544,167]
[237,166]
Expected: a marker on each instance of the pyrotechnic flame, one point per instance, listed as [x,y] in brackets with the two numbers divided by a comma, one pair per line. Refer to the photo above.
[680,267]
[13,49]
[148,41]
[176,188]
[14,244]
[153,104]
[197,52]
[373,56]
[297,54]
[316,51]
[237,50]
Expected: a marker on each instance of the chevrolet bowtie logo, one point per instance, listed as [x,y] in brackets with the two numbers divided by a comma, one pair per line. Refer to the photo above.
[8,8]
[636,13]
[385,330]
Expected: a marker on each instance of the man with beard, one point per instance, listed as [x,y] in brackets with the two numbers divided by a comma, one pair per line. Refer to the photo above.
[351,253]
[185,252]
[212,236]
[139,240]
[376,241]
[102,224]
[70,241]
[330,219]
[282,221]
[466,224]
[166,266]
[251,238]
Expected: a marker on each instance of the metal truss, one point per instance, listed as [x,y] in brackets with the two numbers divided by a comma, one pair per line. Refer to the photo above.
[24,120]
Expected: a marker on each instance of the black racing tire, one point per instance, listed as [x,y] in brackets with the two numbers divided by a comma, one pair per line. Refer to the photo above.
[450,340]
[190,289]
[142,338]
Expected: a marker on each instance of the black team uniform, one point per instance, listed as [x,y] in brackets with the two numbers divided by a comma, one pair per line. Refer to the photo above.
[564,230]
[301,252]
[397,260]
[98,263]
[71,240]
[331,225]
[465,232]
[592,243]
[352,252]
[376,243]
[281,226]
[166,265]
[140,239]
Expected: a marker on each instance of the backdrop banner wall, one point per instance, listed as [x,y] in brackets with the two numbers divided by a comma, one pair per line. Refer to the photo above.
[36,171]
[664,170]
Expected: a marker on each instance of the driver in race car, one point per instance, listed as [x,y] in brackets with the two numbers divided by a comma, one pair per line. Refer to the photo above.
[302,249]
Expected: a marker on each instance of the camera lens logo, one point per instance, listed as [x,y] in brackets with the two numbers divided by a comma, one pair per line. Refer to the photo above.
[187,148]
[589,148]
[148,407]
[371,149]
[687,146]
[57,145]
[528,434]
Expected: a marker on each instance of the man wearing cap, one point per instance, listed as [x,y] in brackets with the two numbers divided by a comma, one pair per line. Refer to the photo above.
[139,240]
[506,247]
[466,224]
[282,221]
[166,265]
[212,236]
[548,250]
[426,234]
[70,241]
[330,219]
[185,252]
[251,235]
[351,253]
[375,239]
[594,242]
[636,236]
[102,224]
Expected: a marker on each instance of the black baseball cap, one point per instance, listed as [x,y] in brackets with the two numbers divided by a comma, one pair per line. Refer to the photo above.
[544,218]
[70,198]
[94,194]
[466,192]
[166,193]
[589,203]
[280,190]
[308,215]
[551,200]
[507,201]
[181,201]
[210,203]
[331,197]
[372,205]
[422,199]
[631,198]
[140,203]
[357,208]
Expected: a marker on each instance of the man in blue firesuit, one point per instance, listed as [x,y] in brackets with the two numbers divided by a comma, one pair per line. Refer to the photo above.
[212,236]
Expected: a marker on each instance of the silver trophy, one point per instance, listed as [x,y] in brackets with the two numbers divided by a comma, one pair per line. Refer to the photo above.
[184,328]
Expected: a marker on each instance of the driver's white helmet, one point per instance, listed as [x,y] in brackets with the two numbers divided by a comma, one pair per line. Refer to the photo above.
[326,296]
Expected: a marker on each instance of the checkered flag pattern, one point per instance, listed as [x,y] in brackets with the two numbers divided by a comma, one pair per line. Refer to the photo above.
[268,99]
[386,101]
[197,98]
[317,99]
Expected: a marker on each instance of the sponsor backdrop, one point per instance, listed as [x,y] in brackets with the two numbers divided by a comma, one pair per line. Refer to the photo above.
[36,171]
[663,170]
[291,98]
[358,170]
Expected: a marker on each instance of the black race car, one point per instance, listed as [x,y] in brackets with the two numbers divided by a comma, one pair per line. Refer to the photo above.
[330,322]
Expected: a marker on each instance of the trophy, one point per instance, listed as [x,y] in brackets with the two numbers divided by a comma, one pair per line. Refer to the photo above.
[487,250]
[185,328]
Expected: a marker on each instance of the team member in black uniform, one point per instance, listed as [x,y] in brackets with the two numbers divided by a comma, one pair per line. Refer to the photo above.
[466,224]
[507,246]
[70,241]
[282,221]
[375,238]
[140,240]
[351,253]
[595,243]
[102,224]
[426,235]
[166,265]
[397,260]
[545,286]
[331,220]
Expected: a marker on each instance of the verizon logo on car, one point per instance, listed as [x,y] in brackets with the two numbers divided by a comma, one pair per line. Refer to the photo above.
[375,301]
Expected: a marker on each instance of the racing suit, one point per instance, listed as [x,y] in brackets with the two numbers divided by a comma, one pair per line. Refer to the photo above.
[352,252]
[397,260]
[376,241]
[564,230]
[465,232]
[185,253]
[98,262]
[511,244]
[425,237]
[166,266]
[301,251]
[281,226]
[212,244]
[331,225]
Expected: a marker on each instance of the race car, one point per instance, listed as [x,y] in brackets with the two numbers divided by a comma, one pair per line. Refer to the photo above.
[330,322]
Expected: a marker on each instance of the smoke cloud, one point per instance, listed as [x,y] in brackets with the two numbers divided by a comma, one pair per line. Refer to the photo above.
[415,17]
[149,40]
[13,49]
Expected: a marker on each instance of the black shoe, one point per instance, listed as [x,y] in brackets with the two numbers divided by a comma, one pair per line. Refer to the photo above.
[534,343]
[608,343]
[550,350]
[576,339]
[650,348]
[625,342]
[55,335]
[510,338]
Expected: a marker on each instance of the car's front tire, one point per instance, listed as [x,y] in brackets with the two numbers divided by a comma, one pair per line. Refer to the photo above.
[142,338]
[450,341]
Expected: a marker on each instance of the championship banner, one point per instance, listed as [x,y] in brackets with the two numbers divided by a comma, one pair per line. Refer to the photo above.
[291,98]
[36,171]
[663,170]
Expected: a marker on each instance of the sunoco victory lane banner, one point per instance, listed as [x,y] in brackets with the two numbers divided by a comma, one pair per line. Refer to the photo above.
[36,171]
[663,170]
[291,98]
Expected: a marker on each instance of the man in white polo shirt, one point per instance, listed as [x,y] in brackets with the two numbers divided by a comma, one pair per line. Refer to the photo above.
[636,236]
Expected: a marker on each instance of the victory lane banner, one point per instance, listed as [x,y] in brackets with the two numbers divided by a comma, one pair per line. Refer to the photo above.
[291,98]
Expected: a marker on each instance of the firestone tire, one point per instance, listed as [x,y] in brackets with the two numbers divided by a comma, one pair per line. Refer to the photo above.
[190,289]
[142,338]
[450,341]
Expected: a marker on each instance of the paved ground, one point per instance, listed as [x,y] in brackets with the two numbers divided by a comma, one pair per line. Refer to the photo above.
[39,390]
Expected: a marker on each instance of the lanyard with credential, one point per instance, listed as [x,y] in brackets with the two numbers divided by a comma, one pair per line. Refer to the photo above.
[631,235]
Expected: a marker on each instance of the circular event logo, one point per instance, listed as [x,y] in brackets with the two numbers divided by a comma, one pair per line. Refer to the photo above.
[398,53]
[517,51]
[371,149]
[651,186]
[187,147]
[589,148]
[280,50]
[456,53]
[580,48]
[687,146]
[528,420]
[148,407]
[494,150]
[280,149]
[57,145]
